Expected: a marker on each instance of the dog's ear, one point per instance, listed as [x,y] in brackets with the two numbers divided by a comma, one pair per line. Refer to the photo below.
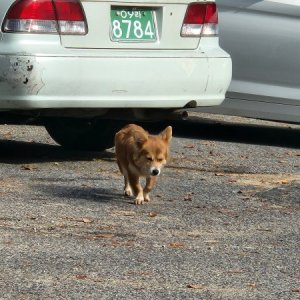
[140,138]
[166,135]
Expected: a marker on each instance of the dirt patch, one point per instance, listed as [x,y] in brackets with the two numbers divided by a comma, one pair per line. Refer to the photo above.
[264,181]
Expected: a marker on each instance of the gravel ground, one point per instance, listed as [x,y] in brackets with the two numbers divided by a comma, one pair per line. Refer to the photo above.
[223,223]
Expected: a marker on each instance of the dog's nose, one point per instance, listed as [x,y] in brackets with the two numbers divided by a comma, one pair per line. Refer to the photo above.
[155,172]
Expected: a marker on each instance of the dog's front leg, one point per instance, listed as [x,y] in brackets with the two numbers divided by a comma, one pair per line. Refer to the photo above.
[134,181]
[127,187]
[150,183]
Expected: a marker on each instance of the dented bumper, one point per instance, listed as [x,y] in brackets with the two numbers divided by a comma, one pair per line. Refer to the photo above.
[144,79]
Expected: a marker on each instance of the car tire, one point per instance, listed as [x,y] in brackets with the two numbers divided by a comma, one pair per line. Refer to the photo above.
[82,134]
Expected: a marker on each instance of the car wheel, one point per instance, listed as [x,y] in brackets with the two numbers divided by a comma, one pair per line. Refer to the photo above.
[81,134]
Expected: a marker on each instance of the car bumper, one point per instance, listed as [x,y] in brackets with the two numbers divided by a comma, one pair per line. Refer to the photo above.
[113,81]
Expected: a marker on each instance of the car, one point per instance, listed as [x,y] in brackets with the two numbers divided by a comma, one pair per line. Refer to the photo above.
[82,68]
[263,39]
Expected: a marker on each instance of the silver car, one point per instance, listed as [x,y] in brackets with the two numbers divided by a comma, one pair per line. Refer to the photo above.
[80,66]
[263,38]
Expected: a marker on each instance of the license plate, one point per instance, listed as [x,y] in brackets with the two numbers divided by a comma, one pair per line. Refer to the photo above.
[132,24]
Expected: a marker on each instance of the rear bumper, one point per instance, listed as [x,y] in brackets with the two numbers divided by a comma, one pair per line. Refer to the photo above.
[138,80]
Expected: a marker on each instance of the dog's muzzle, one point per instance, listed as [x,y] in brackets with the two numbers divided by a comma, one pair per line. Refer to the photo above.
[155,172]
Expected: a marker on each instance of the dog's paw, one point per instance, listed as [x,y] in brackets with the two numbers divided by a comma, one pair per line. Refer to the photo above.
[146,197]
[139,200]
[128,192]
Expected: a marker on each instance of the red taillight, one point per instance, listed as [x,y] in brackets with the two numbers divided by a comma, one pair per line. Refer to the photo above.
[195,14]
[211,16]
[31,10]
[69,10]
[46,16]
[201,19]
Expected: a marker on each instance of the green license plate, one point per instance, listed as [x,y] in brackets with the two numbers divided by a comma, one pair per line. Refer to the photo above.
[132,24]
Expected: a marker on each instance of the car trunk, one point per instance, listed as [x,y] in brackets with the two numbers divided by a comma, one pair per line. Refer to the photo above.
[133,25]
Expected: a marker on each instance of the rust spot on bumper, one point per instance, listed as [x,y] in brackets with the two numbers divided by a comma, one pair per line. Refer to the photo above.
[20,75]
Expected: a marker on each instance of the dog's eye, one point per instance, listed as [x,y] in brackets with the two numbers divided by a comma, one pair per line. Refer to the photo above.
[159,159]
[149,158]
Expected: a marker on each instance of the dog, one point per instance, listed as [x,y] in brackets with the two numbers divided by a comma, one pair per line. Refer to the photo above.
[140,154]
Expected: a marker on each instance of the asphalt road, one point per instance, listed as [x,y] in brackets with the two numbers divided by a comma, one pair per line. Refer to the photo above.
[224,221]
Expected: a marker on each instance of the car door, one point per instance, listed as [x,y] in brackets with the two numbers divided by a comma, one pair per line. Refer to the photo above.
[263,38]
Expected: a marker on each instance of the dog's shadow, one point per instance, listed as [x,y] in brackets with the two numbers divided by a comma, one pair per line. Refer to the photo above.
[81,189]
[81,194]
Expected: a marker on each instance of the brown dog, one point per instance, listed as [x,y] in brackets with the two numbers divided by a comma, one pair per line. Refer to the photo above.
[140,154]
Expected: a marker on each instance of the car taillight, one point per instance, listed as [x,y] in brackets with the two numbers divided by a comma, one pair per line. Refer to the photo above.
[201,19]
[46,16]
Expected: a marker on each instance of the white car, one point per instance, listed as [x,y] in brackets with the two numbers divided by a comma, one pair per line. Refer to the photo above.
[263,39]
[80,66]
